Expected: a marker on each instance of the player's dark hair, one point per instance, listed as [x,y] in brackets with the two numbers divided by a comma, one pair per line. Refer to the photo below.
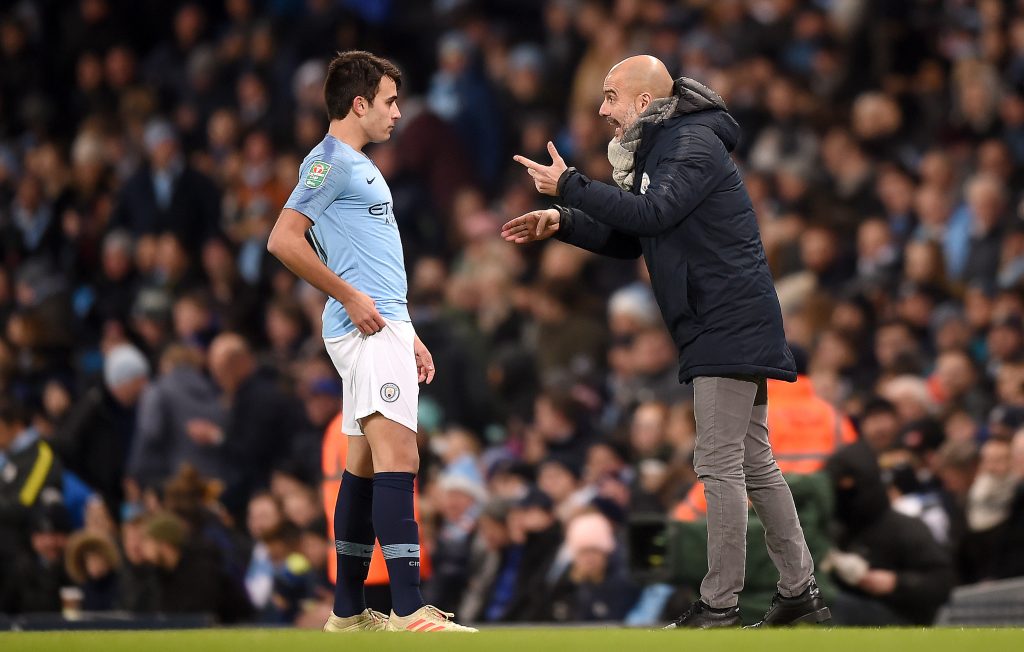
[355,74]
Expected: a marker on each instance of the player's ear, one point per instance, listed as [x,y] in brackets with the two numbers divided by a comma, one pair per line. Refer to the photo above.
[359,105]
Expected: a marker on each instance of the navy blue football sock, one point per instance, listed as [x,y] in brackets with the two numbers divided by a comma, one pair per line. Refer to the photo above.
[395,525]
[353,539]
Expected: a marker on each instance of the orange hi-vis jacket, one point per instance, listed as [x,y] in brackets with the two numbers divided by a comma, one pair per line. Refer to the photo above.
[335,453]
[805,430]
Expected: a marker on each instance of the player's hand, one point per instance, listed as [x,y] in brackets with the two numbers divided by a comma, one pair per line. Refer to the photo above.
[532,227]
[424,361]
[362,310]
[878,582]
[545,177]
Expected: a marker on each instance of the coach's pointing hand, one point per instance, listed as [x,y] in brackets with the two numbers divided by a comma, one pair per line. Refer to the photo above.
[534,226]
[362,310]
[545,177]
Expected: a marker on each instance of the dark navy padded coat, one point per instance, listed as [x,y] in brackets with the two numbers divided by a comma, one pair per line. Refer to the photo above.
[690,216]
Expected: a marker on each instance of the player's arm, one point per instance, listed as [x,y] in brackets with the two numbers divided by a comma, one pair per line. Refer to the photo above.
[288,244]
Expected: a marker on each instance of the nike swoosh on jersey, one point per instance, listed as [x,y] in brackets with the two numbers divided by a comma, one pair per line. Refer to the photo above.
[368,181]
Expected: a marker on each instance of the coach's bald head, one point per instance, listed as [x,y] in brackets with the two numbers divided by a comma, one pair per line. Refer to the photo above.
[629,88]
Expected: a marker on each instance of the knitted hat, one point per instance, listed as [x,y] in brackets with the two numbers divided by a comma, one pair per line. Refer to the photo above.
[166,528]
[589,531]
[124,363]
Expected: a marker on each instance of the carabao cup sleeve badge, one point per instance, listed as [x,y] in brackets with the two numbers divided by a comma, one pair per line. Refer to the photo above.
[317,173]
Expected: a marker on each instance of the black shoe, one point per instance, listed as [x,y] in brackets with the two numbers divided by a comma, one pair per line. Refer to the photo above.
[701,616]
[807,608]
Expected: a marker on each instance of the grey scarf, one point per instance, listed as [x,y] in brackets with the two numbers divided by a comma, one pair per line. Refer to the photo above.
[688,96]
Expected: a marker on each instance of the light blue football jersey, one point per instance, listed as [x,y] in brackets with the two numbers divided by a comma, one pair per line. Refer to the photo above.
[354,230]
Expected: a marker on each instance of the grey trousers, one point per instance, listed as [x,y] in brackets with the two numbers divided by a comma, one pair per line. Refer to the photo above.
[734,459]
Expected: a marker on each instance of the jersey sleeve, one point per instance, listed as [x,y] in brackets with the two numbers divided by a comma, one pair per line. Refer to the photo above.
[321,181]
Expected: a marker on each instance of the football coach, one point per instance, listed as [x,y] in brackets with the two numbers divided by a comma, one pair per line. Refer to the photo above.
[681,203]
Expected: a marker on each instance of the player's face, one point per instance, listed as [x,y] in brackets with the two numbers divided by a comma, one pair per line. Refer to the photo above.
[620,106]
[380,120]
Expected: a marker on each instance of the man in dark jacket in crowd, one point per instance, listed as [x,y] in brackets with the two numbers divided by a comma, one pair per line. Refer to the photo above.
[166,194]
[891,569]
[682,204]
[534,528]
[95,439]
[261,422]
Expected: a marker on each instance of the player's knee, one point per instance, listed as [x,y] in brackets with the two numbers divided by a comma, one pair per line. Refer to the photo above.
[396,460]
[362,467]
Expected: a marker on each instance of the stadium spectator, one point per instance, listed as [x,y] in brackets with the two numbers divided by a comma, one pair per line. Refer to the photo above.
[595,586]
[890,568]
[34,580]
[185,577]
[259,411]
[166,195]
[179,417]
[100,428]
[30,477]
[92,562]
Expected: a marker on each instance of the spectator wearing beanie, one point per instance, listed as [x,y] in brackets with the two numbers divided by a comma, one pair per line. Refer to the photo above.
[595,587]
[94,440]
[186,578]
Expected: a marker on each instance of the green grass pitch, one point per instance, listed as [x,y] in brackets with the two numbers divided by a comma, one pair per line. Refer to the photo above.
[527,640]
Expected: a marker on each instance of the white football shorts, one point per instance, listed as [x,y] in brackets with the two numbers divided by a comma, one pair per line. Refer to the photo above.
[378,374]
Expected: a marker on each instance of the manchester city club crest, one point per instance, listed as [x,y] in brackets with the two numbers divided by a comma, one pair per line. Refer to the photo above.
[317,173]
[389,392]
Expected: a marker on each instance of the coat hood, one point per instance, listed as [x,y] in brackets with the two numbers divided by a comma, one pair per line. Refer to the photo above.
[698,104]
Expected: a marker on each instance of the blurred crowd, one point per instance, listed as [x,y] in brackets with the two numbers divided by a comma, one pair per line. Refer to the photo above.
[166,397]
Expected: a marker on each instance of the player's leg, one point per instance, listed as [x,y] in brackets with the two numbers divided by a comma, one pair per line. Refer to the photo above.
[353,528]
[395,463]
[387,391]
[798,597]
[353,512]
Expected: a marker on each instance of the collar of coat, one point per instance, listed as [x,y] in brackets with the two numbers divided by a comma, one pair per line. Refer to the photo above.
[688,96]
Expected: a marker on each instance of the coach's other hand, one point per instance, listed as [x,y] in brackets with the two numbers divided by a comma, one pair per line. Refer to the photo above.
[532,227]
[362,310]
[545,177]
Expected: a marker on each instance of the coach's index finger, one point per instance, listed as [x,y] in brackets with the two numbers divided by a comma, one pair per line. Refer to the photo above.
[527,163]
[555,156]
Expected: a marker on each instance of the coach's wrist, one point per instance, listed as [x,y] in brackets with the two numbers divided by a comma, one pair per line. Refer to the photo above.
[563,179]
